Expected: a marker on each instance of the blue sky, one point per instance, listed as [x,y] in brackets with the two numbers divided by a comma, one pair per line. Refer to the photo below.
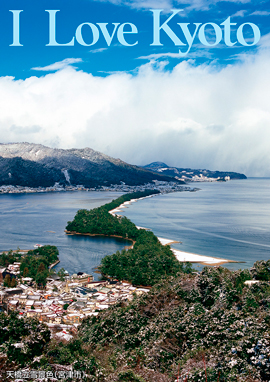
[206,109]
[99,59]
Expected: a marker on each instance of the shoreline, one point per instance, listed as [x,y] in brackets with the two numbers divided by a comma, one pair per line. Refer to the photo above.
[54,264]
[200,259]
[25,251]
[71,233]
[181,256]
[169,187]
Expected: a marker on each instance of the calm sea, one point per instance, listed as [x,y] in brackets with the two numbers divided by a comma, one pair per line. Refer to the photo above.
[29,219]
[229,220]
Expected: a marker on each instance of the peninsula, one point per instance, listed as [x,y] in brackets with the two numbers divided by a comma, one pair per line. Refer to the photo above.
[133,264]
[143,264]
[149,259]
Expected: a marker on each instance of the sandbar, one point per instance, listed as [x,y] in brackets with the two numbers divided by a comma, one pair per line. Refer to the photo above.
[180,255]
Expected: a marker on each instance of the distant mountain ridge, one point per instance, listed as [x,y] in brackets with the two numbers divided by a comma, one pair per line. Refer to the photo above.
[189,174]
[35,165]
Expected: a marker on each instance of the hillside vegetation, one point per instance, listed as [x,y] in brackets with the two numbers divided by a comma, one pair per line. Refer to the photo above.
[209,326]
[206,327]
[35,165]
[35,263]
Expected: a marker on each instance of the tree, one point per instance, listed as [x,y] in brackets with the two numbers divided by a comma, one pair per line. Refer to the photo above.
[41,267]
[41,278]
[37,262]
[13,282]
[61,273]
[7,281]
[14,329]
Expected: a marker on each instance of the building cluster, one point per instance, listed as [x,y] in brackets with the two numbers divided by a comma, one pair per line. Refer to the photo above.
[12,269]
[193,175]
[64,304]
[163,187]
[203,178]
[9,189]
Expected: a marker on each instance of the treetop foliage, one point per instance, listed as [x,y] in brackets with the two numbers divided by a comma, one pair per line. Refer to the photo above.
[36,263]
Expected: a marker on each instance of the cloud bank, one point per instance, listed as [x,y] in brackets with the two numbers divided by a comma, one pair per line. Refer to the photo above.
[193,116]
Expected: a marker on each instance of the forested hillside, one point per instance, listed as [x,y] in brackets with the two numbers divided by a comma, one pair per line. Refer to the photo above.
[207,327]
[35,165]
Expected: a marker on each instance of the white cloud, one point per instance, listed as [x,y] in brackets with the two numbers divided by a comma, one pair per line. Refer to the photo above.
[193,116]
[156,56]
[99,50]
[207,4]
[169,4]
[265,41]
[142,4]
[195,52]
[58,65]
[240,13]
[260,13]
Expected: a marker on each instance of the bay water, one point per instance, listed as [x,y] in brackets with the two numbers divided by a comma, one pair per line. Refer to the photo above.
[41,218]
[229,220]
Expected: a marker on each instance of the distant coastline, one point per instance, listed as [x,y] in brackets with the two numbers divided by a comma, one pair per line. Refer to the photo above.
[163,187]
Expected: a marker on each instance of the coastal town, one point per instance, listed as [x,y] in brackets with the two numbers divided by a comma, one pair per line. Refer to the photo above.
[163,187]
[64,301]
[59,300]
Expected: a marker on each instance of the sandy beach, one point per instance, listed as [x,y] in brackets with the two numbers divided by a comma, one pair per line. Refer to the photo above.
[194,258]
[180,255]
